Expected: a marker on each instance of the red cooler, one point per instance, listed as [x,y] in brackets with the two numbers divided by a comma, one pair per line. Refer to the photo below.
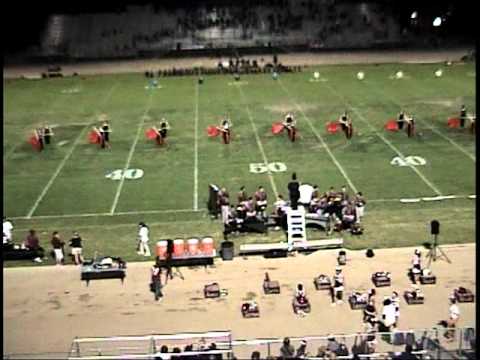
[207,246]
[161,249]
[192,246]
[178,247]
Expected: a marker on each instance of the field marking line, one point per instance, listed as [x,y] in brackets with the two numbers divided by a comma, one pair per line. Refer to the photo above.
[319,137]
[259,143]
[130,154]
[63,162]
[432,127]
[195,159]
[386,141]
[106,214]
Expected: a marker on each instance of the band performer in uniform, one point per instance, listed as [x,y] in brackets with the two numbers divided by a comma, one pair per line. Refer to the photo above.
[401,119]
[162,131]
[346,124]
[290,124]
[47,134]
[39,135]
[463,116]
[105,134]
[225,129]
[410,125]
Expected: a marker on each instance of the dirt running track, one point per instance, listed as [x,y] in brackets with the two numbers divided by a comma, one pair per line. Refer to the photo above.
[45,308]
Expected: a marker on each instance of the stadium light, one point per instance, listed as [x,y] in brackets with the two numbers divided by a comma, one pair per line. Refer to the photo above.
[437,22]
[414,15]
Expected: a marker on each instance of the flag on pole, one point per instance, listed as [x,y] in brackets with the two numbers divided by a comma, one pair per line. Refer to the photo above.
[212,131]
[151,134]
[453,123]
[277,128]
[391,125]
[332,127]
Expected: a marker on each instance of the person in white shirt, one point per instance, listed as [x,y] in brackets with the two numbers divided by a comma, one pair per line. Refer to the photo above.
[388,314]
[453,317]
[7,230]
[396,303]
[143,231]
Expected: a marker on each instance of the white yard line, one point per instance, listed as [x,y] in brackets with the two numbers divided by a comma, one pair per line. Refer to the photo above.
[195,159]
[64,216]
[55,174]
[130,154]
[259,143]
[319,137]
[432,127]
[425,180]
[62,164]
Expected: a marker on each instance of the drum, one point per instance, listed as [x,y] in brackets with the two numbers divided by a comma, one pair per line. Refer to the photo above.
[161,248]
[178,247]
[207,246]
[192,246]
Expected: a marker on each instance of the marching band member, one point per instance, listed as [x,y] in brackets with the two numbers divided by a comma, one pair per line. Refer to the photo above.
[346,124]
[104,133]
[100,136]
[162,131]
[47,134]
[39,135]
[410,125]
[290,124]
[242,195]
[472,123]
[401,119]
[463,116]
[261,201]
[225,129]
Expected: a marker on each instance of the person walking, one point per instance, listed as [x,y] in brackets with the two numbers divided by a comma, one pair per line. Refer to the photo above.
[58,244]
[156,273]
[143,231]
[76,246]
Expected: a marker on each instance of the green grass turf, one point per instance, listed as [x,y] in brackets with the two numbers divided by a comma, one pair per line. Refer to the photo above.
[166,191]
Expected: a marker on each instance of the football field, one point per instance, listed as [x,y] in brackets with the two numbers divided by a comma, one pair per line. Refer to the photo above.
[75,185]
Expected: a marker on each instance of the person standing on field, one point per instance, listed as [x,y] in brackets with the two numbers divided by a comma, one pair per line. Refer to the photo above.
[143,232]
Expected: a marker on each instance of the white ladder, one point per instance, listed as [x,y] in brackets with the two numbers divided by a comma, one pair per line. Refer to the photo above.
[296,232]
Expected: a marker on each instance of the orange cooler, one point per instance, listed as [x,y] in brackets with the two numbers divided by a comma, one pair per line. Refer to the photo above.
[161,249]
[192,246]
[207,246]
[178,247]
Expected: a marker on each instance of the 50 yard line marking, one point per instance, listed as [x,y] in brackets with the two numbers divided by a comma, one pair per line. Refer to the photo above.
[62,164]
[319,137]
[130,154]
[195,159]
[259,143]
[425,180]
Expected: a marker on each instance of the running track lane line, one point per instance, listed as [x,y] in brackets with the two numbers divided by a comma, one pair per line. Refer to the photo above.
[319,137]
[130,154]
[259,143]
[425,180]
[195,159]
[432,127]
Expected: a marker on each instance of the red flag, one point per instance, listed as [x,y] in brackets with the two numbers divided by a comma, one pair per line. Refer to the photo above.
[94,137]
[391,125]
[213,131]
[35,143]
[151,134]
[453,122]
[332,127]
[277,128]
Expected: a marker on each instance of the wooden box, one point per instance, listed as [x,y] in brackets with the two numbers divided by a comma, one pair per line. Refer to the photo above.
[380,280]
[428,279]
[412,300]
[322,283]
[271,287]
[356,305]
[250,313]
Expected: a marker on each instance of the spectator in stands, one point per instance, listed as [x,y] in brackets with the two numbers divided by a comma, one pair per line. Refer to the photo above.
[332,344]
[7,231]
[287,351]
[321,351]
[33,243]
[302,350]
[164,349]
[453,317]
[255,355]
[58,248]
[407,354]
[76,248]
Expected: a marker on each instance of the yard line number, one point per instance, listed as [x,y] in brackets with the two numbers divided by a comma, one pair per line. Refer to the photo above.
[408,161]
[259,168]
[129,174]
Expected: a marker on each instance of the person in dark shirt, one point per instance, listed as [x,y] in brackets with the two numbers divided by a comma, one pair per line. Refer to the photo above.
[401,119]
[58,244]
[105,134]
[463,116]
[293,190]
[33,243]
[47,134]
[76,245]
[162,131]
[242,195]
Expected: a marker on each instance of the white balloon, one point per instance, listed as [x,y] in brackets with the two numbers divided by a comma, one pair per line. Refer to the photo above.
[360,75]
[399,74]
[438,73]
[316,75]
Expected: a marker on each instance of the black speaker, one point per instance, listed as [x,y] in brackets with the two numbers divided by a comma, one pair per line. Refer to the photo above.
[227,250]
[272,254]
[370,253]
[435,227]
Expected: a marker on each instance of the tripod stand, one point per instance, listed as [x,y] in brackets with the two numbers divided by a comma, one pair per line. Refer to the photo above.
[432,253]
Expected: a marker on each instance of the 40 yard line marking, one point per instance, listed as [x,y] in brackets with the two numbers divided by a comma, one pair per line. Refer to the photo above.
[195,169]
[259,143]
[130,154]
[425,180]
[319,137]
[62,164]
